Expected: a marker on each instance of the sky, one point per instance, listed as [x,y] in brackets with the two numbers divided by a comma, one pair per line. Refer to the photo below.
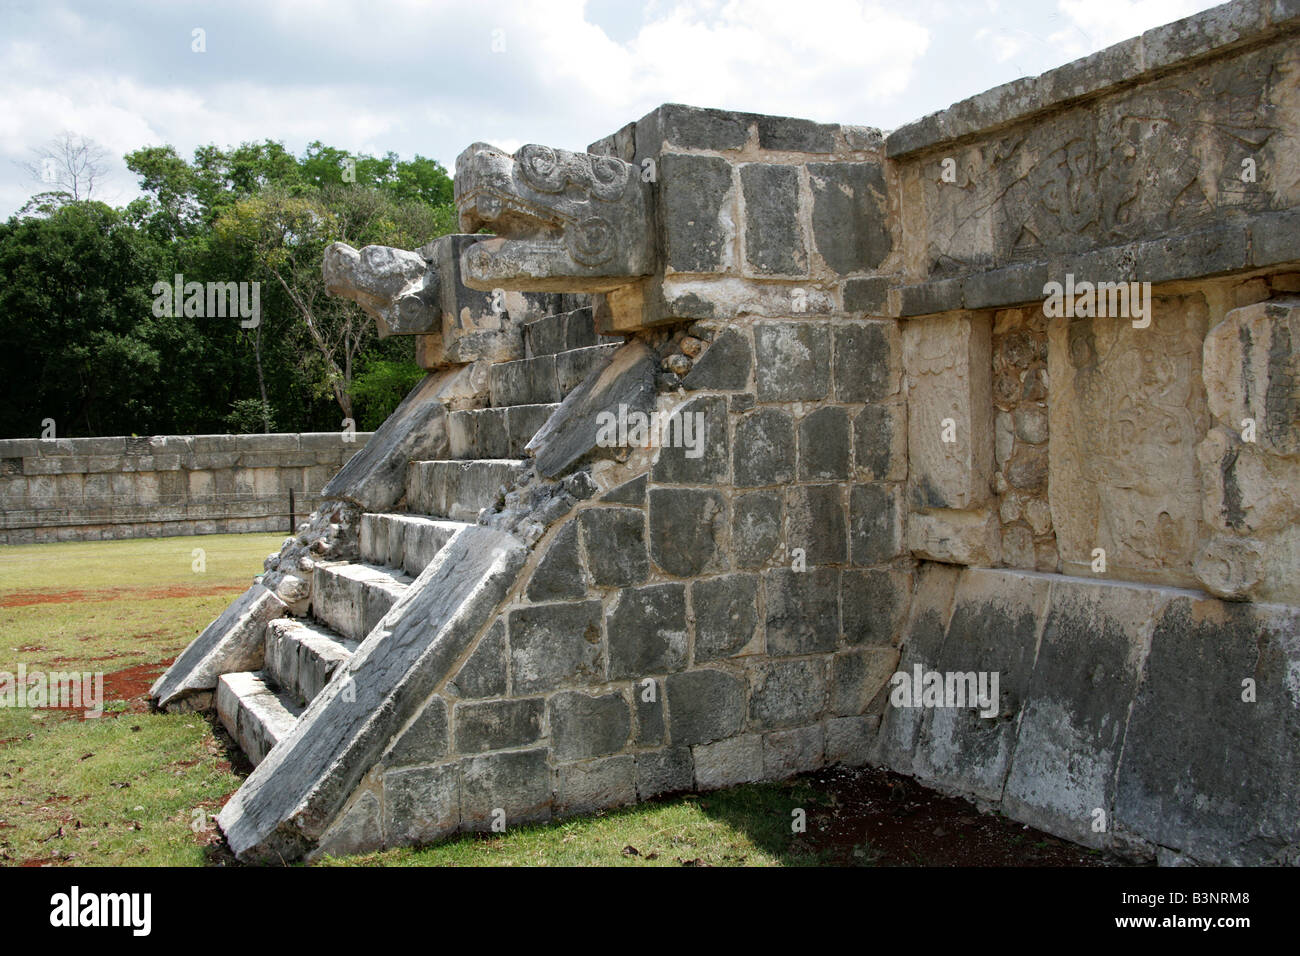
[432,76]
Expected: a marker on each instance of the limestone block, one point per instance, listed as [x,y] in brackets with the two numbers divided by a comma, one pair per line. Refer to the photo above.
[647,631]
[948,360]
[669,770]
[498,724]
[555,644]
[788,752]
[703,705]
[1125,420]
[598,205]
[235,641]
[615,537]
[584,725]
[517,782]
[1204,771]
[956,537]
[786,693]
[726,615]
[850,215]
[688,530]
[729,762]
[596,785]
[756,529]
[774,242]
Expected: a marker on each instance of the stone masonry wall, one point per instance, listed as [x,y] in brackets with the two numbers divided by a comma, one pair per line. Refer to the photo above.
[85,489]
[696,622]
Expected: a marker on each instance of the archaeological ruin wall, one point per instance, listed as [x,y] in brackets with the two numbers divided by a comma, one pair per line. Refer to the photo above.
[88,489]
[1009,391]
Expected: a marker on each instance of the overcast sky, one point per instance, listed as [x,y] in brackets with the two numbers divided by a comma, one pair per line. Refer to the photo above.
[432,76]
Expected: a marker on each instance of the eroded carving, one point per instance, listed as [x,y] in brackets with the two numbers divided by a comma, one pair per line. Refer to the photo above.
[564,221]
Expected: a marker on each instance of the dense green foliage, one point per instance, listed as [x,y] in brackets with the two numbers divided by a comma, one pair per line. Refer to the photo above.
[82,343]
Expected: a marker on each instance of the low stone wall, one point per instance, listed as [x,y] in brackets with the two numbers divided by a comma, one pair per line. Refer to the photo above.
[86,489]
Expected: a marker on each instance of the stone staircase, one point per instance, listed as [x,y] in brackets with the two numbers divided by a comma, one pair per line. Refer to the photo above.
[350,598]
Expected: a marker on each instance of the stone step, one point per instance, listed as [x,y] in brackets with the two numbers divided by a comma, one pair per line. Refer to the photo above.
[404,541]
[543,378]
[459,489]
[352,597]
[302,656]
[255,711]
[573,366]
[495,432]
[563,332]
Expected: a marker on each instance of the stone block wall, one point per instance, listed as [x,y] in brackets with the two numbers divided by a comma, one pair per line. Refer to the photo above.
[696,622]
[86,489]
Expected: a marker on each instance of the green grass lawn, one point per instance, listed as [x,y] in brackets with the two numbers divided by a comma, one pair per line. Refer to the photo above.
[139,788]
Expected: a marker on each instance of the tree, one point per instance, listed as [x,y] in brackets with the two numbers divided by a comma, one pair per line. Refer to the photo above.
[72,163]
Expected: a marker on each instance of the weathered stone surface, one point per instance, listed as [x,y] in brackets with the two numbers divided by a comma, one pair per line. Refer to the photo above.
[756,528]
[233,642]
[559,573]
[803,610]
[498,724]
[857,676]
[794,361]
[729,762]
[1077,704]
[850,215]
[786,693]
[631,493]
[1124,475]
[824,444]
[848,740]
[484,674]
[375,477]
[598,205]
[399,289]
[815,516]
[949,362]
[725,365]
[664,771]
[869,295]
[572,432]
[703,705]
[688,530]
[358,828]
[517,782]
[425,740]
[289,800]
[765,450]
[585,726]
[704,459]
[875,524]
[697,220]
[788,134]
[726,615]
[774,244]
[875,604]
[597,784]
[555,644]
[1204,779]
[617,537]
[955,537]
[993,628]
[880,441]
[647,631]
[867,361]
[648,705]
[788,752]
[421,804]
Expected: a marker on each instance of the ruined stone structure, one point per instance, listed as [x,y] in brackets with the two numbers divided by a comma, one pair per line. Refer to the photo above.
[91,489]
[888,453]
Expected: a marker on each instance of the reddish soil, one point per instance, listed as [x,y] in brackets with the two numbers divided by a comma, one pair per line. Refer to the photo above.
[130,685]
[27,598]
